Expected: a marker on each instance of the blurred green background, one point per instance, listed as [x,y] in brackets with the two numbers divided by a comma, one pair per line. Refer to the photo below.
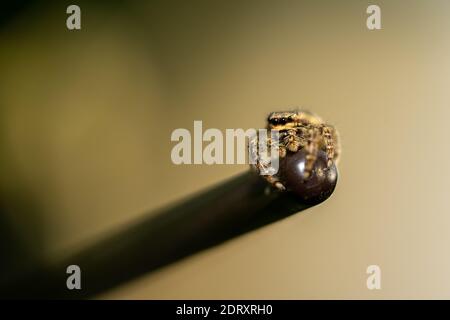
[86,118]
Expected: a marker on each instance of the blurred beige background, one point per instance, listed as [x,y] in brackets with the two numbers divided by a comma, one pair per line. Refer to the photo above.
[86,118]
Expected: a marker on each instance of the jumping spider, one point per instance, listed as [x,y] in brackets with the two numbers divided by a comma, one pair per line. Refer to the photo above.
[301,130]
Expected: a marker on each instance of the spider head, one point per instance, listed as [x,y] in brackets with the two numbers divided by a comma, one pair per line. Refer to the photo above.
[282,120]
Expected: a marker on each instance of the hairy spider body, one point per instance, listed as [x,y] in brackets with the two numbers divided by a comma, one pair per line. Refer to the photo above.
[300,130]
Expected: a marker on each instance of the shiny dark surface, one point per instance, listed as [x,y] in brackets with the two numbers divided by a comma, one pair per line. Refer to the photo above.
[318,186]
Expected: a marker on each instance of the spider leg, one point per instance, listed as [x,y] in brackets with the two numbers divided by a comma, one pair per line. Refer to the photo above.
[262,164]
[312,147]
[337,146]
[282,151]
[330,141]
[274,181]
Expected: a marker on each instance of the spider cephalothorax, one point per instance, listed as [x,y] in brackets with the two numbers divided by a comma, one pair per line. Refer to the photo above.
[301,130]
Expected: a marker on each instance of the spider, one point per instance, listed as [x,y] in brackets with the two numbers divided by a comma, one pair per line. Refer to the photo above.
[300,130]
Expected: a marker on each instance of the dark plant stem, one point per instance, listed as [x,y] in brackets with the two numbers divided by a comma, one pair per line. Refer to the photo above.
[209,218]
